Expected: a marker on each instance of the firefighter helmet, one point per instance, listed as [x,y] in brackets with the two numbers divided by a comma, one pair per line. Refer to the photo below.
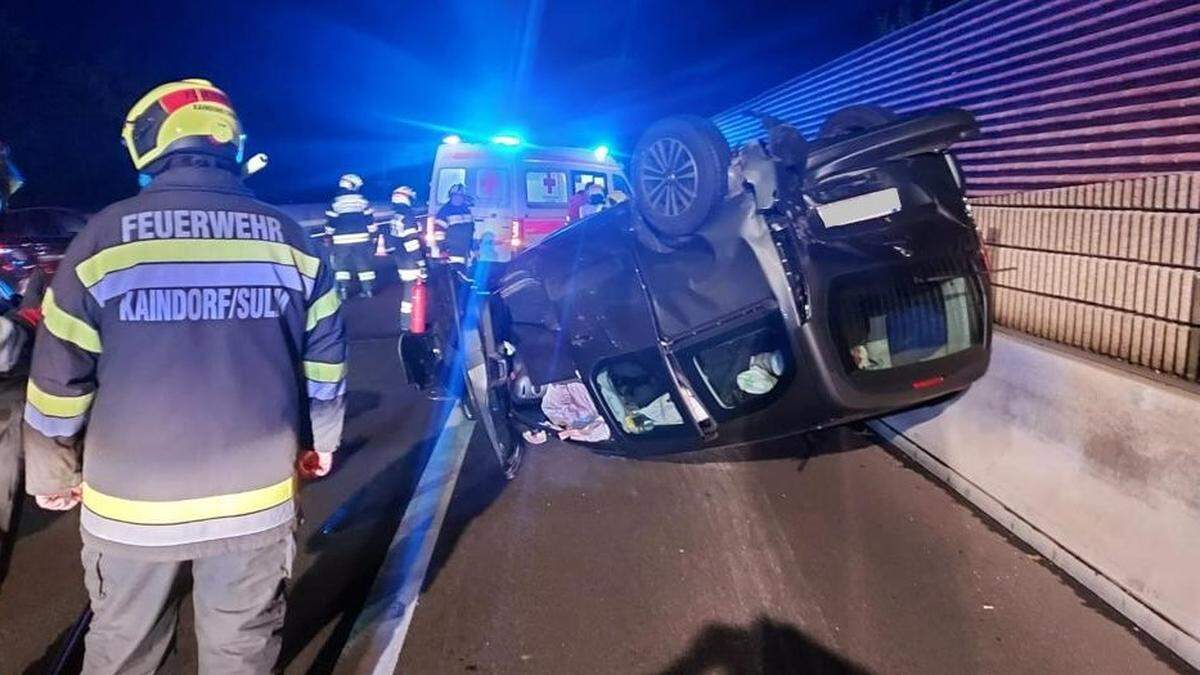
[457,189]
[191,115]
[351,181]
[403,195]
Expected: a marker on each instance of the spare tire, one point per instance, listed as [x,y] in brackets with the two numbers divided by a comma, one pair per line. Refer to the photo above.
[680,174]
[856,119]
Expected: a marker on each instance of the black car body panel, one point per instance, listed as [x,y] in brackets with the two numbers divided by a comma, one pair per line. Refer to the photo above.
[853,318]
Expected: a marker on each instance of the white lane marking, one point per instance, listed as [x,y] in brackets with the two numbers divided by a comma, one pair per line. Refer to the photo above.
[378,634]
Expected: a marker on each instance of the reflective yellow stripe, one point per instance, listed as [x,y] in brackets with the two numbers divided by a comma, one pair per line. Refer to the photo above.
[66,327]
[324,372]
[187,510]
[121,257]
[324,306]
[57,406]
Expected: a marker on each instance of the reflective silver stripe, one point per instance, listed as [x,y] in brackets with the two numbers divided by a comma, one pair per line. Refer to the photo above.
[341,276]
[186,533]
[412,245]
[326,391]
[356,238]
[366,276]
[456,259]
[53,427]
[343,204]
[199,275]
[455,220]
[405,307]
[409,275]
[405,232]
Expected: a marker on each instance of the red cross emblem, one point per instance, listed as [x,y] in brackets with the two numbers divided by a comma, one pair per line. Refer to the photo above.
[549,182]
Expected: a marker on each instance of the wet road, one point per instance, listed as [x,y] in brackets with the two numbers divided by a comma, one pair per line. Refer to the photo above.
[820,553]
[817,554]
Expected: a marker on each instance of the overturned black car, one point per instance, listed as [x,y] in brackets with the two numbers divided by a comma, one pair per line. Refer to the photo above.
[790,286]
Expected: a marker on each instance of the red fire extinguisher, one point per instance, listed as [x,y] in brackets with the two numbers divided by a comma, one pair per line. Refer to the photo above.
[419,301]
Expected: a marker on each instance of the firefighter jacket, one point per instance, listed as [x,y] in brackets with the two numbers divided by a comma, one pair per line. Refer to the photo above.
[351,219]
[200,341]
[456,227]
[403,239]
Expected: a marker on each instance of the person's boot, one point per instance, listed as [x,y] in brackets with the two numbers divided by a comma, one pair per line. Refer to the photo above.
[343,290]
[367,290]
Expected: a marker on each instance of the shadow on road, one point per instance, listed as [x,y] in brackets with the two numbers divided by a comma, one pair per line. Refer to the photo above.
[767,647]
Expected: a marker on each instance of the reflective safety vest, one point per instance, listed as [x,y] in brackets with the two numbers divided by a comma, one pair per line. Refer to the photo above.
[404,241]
[200,341]
[351,219]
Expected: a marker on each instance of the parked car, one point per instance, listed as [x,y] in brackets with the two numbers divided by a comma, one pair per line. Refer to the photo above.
[36,237]
[791,286]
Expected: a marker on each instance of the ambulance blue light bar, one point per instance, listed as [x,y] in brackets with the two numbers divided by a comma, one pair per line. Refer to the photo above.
[452,139]
[601,152]
[507,139]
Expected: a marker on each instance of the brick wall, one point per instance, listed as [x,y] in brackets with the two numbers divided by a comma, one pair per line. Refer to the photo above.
[1111,267]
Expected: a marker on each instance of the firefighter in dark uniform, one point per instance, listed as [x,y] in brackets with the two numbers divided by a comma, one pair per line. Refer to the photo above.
[454,226]
[200,339]
[352,228]
[403,240]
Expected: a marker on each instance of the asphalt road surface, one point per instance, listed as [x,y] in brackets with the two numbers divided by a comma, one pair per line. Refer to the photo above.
[822,553]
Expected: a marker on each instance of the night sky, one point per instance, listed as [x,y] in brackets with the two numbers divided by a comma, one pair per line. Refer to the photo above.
[372,86]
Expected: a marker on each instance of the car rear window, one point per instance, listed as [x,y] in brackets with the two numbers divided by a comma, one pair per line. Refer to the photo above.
[888,323]
[547,189]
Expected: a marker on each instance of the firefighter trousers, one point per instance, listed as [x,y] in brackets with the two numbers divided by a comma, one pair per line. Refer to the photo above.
[239,600]
[353,261]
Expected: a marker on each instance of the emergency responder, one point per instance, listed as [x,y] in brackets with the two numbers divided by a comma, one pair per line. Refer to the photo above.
[595,200]
[202,342]
[454,226]
[352,227]
[403,242]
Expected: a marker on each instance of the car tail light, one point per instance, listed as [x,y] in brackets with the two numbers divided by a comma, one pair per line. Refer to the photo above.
[928,382]
[518,233]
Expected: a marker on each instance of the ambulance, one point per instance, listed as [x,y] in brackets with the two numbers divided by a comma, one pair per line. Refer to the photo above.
[521,192]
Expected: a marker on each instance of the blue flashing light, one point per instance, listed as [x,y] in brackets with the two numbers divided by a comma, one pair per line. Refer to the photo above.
[601,152]
[452,139]
[507,139]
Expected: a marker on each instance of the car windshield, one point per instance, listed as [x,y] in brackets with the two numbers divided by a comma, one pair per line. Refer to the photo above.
[907,319]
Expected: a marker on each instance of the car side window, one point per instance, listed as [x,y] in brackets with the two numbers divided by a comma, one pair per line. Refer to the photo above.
[637,392]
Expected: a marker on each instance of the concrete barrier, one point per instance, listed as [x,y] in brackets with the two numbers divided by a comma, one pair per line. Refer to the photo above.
[1095,466]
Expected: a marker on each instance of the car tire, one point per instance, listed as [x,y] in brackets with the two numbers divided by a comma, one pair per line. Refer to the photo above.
[856,119]
[680,172]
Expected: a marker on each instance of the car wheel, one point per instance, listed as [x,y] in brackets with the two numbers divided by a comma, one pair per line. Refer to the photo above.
[680,169]
[856,119]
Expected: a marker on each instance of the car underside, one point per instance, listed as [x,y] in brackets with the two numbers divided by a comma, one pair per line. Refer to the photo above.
[790,286]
